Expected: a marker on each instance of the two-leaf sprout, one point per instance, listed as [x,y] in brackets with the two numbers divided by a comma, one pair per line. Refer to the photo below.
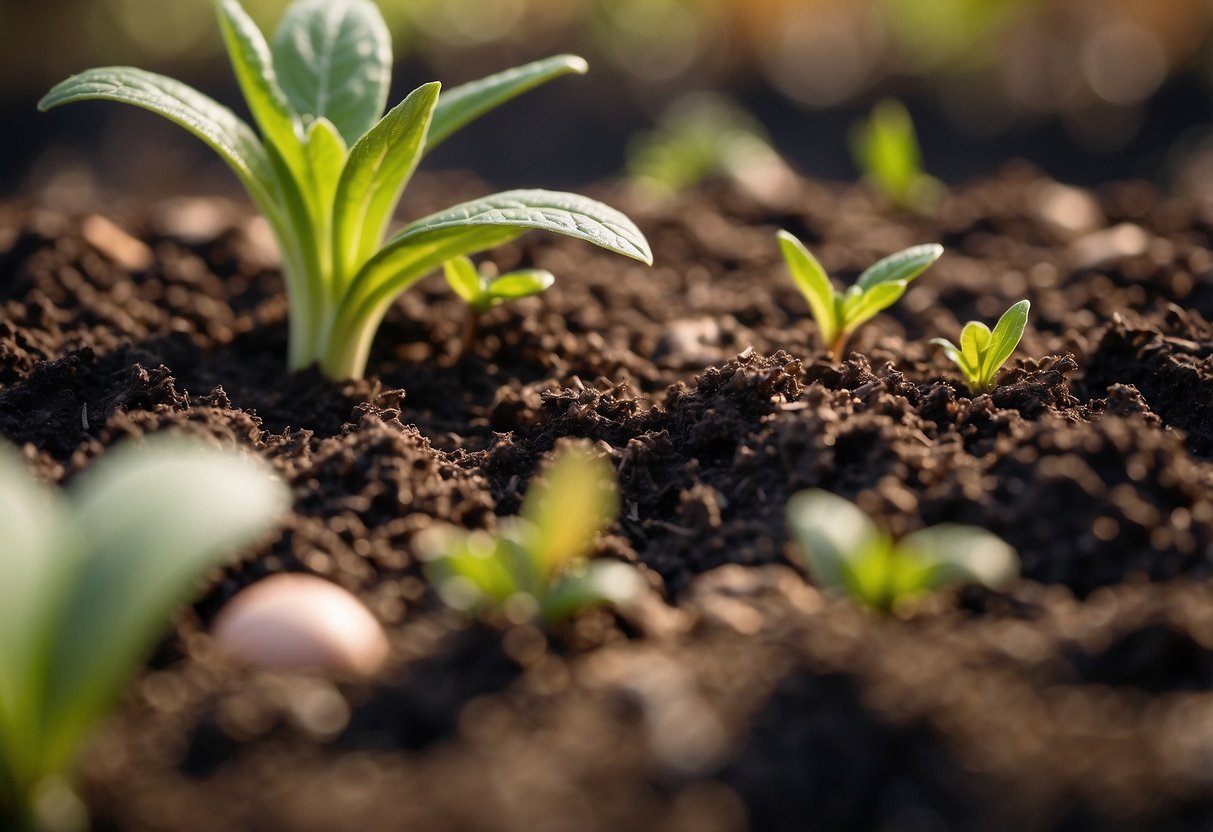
[481,292]
[89,582]
[981,352]
[327,172]
[845,552]
[839,314]
[535,568]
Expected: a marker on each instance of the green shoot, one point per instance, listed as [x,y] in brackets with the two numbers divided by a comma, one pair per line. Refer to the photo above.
[885,148]
[91,581]
[535,568]
[982,353]
[839,314]
[482,292]
[845,552]
[327,172]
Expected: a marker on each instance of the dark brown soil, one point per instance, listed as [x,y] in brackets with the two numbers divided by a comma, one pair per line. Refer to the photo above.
[740,696]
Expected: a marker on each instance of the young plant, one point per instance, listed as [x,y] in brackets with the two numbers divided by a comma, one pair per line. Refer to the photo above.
[885,148]
[328,172]
[839,314]
[482,292]
[981,352]
[845,552]
[90,581]
[535,567]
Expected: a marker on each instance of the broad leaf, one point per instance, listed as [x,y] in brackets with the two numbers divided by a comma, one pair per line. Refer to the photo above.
[378,168]
[952,352]
[813,283]
[465,103]
[956,553]
[155,519]
[325,154]
[831,532]
[521,284]
[974,339]
[1005,337]
[462,277]
[601,582]
[334,59]
[903,266]
[254,69]
[571,502]
[210,121]
[870,303]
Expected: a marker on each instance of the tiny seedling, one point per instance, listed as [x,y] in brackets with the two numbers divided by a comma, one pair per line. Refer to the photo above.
[328,172]
[482,292]
[90,581]
[885,148]
[845,552]
[982,353]
[535,567]
[839,314]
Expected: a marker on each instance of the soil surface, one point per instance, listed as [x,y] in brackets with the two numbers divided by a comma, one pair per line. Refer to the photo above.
[739,696]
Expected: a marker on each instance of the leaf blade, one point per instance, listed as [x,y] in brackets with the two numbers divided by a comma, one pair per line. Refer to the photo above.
[1005,338]
[903,266]
[813,283]
[831,533]
[463,278]
[334,59]
[521,284]
[463,104]
[568,505]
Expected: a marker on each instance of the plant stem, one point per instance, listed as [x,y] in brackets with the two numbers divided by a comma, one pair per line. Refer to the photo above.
[836,348]
[467,341]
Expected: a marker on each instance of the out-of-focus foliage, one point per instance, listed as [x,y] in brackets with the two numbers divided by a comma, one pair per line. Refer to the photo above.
[885,147]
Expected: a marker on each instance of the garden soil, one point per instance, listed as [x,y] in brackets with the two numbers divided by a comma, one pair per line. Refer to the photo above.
[738,696]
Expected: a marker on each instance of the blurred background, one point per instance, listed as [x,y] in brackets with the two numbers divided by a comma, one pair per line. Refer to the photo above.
[1089,90]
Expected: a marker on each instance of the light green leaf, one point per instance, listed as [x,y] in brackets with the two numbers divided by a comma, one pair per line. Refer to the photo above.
[600,582]
[465,103]
[831,533]
[813,283]
[571,501]
[462,277]
[254,69]
[952,352]
[467,568]
[334,59]
[378,168]
[870,303]
[974,339]
[210,121]
[887,150]
[155,518]
[903,266]
[961,554]
[325,154]
[521,284]
[1005,338]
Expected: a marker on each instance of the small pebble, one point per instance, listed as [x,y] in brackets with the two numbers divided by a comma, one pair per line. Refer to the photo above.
[300,621]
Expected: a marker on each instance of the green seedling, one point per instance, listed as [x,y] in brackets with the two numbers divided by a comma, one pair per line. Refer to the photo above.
[328,172]
[699,137]
[845,552]
[535,567]
[982,353]
[839,314]
[482,292]
[90,582]
[885,148]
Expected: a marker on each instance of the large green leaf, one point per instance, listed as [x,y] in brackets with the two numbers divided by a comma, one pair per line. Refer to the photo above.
[254,69]
[813,283]
[155,518]
[334,59]
[465,103]
[903,266]
[210,121]
[376,172]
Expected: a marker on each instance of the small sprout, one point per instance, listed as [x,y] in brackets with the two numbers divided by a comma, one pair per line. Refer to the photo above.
[91,581]
[845,552]
[701,136]
[482,292]
[981,352]
[839,314]
[328,168]
[536,566]
[885,148]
